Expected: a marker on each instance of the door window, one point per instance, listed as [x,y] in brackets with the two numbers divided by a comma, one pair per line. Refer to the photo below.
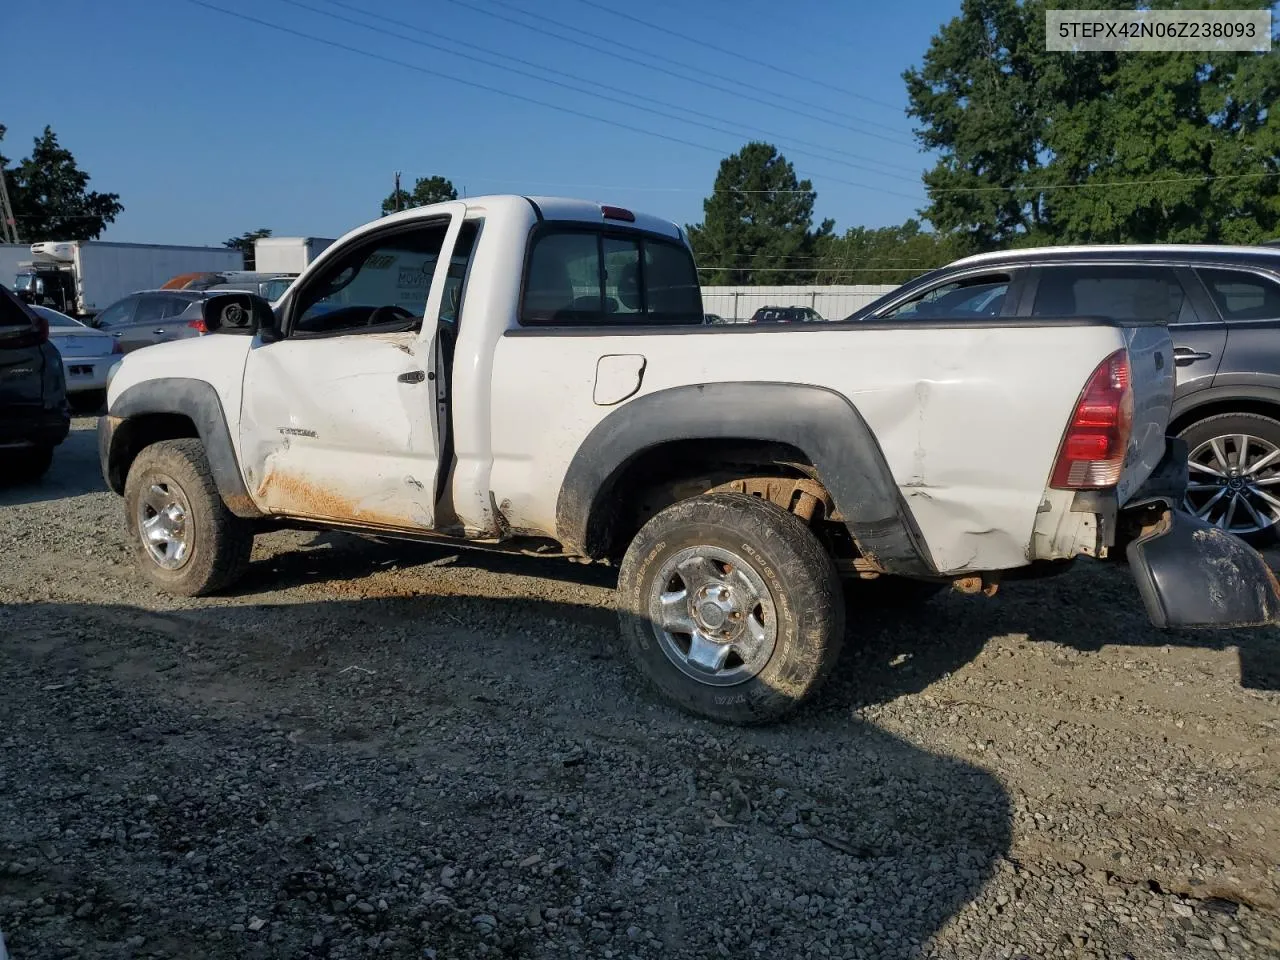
[1241,295]
[118,313]
[381,285]
[1118,292]
[150,309]
[590,277]
[968,297]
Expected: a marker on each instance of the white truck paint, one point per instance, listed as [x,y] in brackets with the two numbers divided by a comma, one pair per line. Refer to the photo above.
[287,254]
[81,278]
[408,384]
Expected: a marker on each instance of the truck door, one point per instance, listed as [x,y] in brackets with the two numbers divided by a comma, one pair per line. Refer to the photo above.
[339,418]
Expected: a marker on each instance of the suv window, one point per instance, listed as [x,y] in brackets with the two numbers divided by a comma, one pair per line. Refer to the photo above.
[977,296]
[590,277]
[152,308]
[119,312]
[1241,295]
[380,285]
[1119,292]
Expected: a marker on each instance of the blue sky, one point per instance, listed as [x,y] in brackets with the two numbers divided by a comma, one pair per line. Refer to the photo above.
[208,125]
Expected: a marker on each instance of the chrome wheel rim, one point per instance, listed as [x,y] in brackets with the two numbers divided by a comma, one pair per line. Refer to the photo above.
[1234,483]
[164,524]
[713,616]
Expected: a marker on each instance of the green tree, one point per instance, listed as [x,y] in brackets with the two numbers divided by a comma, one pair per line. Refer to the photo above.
[425,190]
[757,224]
[1045,147]
[887,254]
[244,243]
[50,195]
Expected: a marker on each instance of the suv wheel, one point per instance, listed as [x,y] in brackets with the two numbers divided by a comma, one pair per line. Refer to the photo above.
[1234,481]
[730,607]
[186,540]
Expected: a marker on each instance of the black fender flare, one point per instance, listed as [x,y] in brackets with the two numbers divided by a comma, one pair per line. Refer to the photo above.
[819,422]
[198,401]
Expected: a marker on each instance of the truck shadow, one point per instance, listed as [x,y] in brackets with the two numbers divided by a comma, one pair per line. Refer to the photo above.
[893,652]
[373,739]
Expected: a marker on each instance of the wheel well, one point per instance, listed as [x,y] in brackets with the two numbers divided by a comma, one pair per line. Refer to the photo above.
[680,469]
[1264,408]
[137,433]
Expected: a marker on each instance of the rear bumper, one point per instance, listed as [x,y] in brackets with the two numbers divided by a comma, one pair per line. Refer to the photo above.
[38,427]
[1191,574]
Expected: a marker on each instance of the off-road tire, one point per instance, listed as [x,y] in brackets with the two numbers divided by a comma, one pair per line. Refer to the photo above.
[220,541]
[889,593]
[1250,424]
[798,574]
[25,464]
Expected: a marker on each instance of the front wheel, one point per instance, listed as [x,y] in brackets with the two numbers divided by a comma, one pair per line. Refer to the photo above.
[185,539]
[730,608]
[1234,475]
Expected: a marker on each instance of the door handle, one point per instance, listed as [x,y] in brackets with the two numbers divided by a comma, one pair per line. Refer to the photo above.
[1182,356]
[413,376]
[160,330]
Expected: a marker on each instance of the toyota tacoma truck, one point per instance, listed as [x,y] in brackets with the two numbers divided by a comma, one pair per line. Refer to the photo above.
[534,373]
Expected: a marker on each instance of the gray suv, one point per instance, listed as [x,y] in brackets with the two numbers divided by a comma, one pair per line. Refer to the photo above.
[153,316]
[1222,305]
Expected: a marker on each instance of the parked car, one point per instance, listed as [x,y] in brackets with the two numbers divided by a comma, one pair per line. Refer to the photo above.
[1222,306]
[713,318]
[268,285]
[87,354]
[785,315]
[154,316]
[34,415]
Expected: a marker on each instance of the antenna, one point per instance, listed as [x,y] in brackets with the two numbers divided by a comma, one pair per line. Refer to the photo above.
[397,192]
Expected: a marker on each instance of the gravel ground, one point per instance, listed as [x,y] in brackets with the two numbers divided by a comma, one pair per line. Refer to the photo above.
[388,750]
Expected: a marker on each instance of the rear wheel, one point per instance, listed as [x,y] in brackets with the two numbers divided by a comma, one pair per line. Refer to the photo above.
[186,540]
[730,608]
[1234,482]
[25,464]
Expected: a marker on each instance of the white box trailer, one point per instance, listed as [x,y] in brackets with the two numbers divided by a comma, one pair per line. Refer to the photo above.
[287,254]
[83,277]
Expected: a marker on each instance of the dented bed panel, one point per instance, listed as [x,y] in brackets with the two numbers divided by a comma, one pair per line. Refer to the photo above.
[968,418]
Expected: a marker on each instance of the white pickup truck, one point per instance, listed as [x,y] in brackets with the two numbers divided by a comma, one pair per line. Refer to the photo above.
[509,371]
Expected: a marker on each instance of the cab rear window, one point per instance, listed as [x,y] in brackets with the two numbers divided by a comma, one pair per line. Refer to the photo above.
[577,277]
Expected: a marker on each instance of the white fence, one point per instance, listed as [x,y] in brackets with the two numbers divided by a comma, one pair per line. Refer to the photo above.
[833,302]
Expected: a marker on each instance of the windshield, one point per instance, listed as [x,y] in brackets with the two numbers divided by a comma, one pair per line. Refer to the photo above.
[24,282]
[56,318]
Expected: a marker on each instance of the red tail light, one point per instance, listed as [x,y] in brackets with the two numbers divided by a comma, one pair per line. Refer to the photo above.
[198,325]
[115,346]
[42,327]
[1092,452]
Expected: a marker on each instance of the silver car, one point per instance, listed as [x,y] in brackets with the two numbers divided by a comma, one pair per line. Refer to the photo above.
[87,354]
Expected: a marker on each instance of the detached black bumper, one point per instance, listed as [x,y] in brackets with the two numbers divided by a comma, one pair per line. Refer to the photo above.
[1189,572]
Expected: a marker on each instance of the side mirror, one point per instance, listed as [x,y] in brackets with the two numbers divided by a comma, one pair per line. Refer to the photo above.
[236,312]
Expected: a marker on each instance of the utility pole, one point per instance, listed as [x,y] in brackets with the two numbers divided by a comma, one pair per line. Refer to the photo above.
[397,193]
[8,223]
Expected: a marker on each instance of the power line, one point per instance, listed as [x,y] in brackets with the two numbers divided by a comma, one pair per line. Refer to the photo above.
[498,90]
[735,53]
[736,90]
[454,43]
